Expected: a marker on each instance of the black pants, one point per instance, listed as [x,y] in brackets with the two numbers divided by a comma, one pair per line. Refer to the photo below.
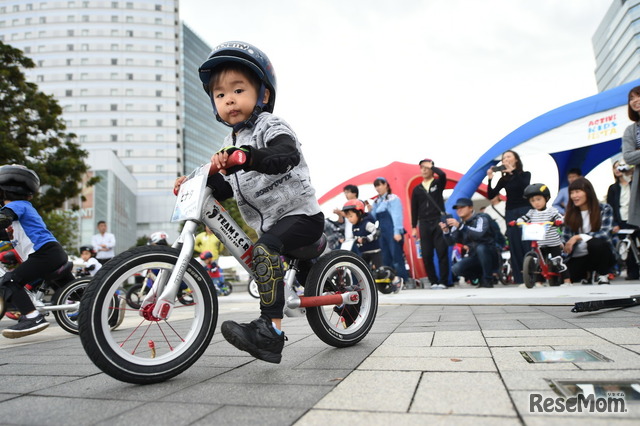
[431,238]
[600,258]
[289,233]
[41,264]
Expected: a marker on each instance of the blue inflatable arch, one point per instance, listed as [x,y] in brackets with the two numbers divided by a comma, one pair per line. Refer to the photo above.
[580,134]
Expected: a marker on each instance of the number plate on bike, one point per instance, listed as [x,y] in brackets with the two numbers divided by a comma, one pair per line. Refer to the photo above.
[534,231]
[191,195]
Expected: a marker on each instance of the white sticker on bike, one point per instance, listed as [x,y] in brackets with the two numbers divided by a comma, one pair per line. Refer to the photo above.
[190,198]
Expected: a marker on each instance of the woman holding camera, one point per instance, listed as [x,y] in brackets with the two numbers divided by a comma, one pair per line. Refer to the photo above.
[631,152]
[513,180]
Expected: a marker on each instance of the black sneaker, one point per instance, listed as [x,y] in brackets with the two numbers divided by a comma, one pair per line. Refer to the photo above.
[258,338]
[25,327]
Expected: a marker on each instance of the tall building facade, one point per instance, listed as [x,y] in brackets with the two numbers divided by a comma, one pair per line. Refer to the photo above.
[616,44]
[202,134]
[121,70]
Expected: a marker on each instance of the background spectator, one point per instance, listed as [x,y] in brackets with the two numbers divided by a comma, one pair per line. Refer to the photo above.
[560,203]
[103,243]
[618,197]
[631,152]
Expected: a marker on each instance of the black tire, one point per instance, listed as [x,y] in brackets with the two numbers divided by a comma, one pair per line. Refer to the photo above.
[530,269]
[252,288]
[341,271]
[134,297]
[70,293]
[3,305]
[145,350]
[384,276]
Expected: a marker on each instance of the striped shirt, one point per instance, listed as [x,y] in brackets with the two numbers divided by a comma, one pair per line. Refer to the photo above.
[549,214]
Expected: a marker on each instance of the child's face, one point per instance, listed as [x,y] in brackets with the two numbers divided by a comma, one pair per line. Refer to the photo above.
[85,255]
[235,97]
[538,202]
[352,217]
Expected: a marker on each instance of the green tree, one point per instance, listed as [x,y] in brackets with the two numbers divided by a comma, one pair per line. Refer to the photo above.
[32,133]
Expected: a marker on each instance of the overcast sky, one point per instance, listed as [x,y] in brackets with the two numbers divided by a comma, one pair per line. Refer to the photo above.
[367,82]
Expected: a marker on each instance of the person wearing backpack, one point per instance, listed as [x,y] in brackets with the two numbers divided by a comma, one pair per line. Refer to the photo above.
[474,231]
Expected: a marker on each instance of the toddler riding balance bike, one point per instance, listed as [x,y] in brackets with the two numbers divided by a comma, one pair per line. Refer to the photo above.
[534,264]
[164,337]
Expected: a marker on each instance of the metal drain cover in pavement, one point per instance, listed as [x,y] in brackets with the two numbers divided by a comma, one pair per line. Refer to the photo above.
[586,355]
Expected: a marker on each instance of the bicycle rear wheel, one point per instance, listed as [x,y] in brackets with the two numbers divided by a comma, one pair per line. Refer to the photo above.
[144,349]
[338,272]
[69,294]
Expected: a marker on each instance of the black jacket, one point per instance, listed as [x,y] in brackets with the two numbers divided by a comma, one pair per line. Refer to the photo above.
[422,207]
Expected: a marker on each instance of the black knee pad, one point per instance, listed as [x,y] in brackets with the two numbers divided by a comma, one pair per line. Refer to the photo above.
[269,272]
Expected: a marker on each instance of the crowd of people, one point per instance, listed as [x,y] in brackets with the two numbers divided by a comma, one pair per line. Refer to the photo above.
[580,228]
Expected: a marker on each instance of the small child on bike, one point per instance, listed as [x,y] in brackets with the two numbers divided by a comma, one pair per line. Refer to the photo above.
[366,235]
[538,195]
[40,253]
[268,176]
[91,265]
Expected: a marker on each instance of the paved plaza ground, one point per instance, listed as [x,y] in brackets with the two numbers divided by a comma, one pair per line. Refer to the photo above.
[433,357]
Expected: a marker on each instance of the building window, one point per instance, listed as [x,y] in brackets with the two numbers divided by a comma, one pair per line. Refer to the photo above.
[158,21]
[114,123]
[114,4]
[83,123]
[70,47]
[158,7]
[40,78]
[158,77]
[70,33]
[83,61]
[83,107]
[129,61]
[84,32]
[128,138]
[159,138]
[159,63]
[40,63]
[69,76]
[114,76]
[158,49]
[158,34]
[114,33]
[129,92]
[84,47]
[129,5]
[129,76]
[84,76]
[128,47]
[71,18]
[43,20]
[129,33]
[129,122]
[159,123]
[114,107]
[114,92]
[69,62]
[82,138]
[29,6]
[114,47]
[159,93]
[114,18]
[128,107]
[85,18]
[129,19]
[114,138]
[114,61]
[84,92]
[158,108]
[27,49]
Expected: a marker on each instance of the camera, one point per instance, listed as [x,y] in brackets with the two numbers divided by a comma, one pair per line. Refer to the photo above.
[444,218]
[498,168]
[622,167]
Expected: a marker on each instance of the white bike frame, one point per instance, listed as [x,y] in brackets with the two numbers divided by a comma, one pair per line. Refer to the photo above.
[213,215]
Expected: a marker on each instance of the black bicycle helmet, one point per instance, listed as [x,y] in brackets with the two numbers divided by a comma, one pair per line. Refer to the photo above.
[537,189]
[87,248]
[19,179]
[254,59]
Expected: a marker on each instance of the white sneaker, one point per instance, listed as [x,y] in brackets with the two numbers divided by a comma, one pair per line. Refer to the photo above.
[438,287]
[566,285]
[397,282]
[603,279]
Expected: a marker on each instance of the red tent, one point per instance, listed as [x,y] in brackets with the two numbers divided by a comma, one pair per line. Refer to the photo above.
[402,178]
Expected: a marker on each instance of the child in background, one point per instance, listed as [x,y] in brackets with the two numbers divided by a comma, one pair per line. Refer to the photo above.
[41,254]
[551,246]
[91,265]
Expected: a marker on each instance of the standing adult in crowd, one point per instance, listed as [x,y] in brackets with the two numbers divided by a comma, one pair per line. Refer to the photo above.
[351,192]
[495,210]
[427,208]
[387,210]
[587,234]
[207,241]
[474,231]
[560,203]
[618,197]
[631,153]
[103,243]
[513,180]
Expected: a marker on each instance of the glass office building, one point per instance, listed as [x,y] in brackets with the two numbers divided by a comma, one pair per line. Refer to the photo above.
[616,44]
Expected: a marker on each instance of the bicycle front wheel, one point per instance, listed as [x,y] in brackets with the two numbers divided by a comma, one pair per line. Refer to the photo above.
[530,270]
[338,272]
[143,349]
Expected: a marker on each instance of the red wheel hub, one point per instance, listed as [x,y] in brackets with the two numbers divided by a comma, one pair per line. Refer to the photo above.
[147,312]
